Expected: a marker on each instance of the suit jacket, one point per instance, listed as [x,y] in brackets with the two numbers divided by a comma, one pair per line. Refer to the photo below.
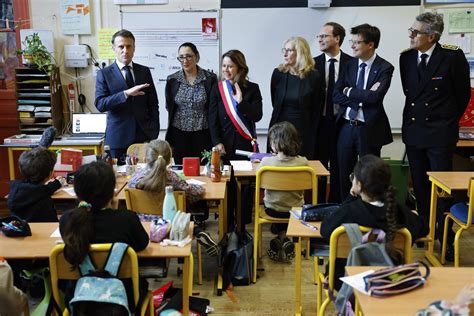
[376,120]
[172,87]
[220,125]
[320,66]
[435,103]
[124,113]
[311,96]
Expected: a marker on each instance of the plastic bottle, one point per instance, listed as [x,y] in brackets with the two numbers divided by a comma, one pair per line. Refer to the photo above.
[215,165]
[106,156]
[169,204]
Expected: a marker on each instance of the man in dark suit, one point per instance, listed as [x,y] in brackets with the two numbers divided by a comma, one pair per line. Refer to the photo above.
[125,90]
[436,83]
[361,123]
[329,64]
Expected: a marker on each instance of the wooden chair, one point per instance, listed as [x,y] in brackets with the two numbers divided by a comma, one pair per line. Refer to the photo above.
[461,214]
[281,179]
[62,270]
[340,246]
[138,150]
[147,202]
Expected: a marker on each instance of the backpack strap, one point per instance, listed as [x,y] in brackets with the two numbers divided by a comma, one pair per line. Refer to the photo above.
[115,258]
[354,234]
[87,266]
[380,236]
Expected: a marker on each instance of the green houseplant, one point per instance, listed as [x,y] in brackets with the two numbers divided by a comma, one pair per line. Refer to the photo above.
[35,54]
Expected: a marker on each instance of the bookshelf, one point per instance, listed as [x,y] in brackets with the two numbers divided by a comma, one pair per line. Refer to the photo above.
[38,100]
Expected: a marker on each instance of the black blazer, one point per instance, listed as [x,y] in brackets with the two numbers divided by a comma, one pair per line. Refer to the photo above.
[320,65]
[220,125]
[434,105]
[376,120]
[311,97]
[124,113]
[171,89]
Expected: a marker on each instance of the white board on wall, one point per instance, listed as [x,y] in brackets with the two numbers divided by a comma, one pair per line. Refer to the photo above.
[260,33]
[157,38]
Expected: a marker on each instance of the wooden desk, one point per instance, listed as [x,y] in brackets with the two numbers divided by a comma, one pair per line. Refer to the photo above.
[40,244]
[442,284]
[94,145]
[299,232]
[121,182]
[446,181]
[465,143]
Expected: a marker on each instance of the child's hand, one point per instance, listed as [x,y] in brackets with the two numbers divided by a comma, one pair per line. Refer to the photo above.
[114,203]
[62,180]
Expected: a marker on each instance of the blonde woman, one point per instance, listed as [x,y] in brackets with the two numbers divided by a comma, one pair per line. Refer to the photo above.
[297,93]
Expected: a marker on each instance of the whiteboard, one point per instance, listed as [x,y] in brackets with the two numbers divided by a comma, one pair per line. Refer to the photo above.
[157,38]
[260,33]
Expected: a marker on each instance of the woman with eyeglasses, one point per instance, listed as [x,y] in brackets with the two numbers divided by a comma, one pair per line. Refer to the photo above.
[297,93]
[187,95]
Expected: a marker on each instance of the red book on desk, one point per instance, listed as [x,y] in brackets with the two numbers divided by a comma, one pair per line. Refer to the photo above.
[191,166]
[70,156]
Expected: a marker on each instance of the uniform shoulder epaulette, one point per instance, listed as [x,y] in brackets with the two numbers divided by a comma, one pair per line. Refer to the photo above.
[450,46]
[405,50]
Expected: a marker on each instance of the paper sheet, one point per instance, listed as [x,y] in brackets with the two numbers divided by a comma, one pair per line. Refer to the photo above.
[241,165]
[194,181]
[56,233]
[69,190]
[357,281]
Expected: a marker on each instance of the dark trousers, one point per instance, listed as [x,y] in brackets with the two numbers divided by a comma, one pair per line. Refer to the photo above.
[421,161]
[326,152]
[188,144]
[352,142]
[246,202]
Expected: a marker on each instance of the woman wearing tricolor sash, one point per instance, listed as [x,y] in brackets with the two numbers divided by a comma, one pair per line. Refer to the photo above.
[235,107]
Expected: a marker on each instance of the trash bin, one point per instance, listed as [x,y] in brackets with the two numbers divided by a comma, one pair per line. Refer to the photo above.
[399,170]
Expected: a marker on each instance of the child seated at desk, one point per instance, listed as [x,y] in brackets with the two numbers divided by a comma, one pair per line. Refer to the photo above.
[285,143]
[97,220]
[30,199]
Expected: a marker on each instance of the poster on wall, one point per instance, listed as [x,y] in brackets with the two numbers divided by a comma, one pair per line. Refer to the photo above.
[75,17]
[209,28]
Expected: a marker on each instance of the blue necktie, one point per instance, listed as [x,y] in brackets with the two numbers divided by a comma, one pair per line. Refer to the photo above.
[330,90]
[359,85]
[129,77]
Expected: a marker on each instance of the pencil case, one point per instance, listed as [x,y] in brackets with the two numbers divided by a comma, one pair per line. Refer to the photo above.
[13,226]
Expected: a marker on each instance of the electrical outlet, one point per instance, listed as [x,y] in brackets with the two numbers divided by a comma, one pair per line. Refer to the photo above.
[102,64]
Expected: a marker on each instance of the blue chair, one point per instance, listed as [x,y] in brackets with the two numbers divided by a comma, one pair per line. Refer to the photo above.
[461,214]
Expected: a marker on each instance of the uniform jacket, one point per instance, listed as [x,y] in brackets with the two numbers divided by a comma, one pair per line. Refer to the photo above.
[220,125]
[311,97]
[435,103]
[376,120]
[124,113]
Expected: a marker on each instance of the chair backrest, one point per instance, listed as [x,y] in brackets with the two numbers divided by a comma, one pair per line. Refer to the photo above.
[61,269]
[286,179]
[340,247]
[138,150]
[470,206]
[148,202]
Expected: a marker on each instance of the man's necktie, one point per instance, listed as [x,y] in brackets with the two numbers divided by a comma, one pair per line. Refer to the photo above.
[359,85]
[422,65]
[330,90]
[129,77]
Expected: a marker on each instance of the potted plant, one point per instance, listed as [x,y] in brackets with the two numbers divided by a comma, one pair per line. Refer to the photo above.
[35,54]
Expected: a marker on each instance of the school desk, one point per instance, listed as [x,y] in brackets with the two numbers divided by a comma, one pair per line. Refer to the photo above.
[39,245]
[120,183]
[300,232]
[442,183]
[92,145]
[442,284]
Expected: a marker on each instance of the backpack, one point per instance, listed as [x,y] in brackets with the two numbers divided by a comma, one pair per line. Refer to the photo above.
[363,253]
[100,291]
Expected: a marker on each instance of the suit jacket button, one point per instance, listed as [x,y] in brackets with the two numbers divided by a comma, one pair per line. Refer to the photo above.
[406,90]
[436,89]
[413,119]
[426,104]
[427,119]
[413,104]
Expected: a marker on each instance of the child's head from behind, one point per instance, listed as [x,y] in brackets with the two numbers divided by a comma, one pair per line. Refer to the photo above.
[158,156]
[157,148]
[37,164]
[374,176]
[284,138]
[94,183]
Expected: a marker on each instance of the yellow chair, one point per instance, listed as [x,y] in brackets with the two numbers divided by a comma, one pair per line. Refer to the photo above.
[340,246]
[138,150]
[147,202]
[62,270]
[461,214]
[281,179]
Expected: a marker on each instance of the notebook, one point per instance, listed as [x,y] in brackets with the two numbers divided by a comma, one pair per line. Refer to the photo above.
[91,125]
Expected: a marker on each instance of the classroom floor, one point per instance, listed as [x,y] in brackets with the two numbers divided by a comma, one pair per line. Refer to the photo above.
[273,294]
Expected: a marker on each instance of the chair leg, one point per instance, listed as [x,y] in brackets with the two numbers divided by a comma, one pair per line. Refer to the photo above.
[255,250]
[307,249]
[260,244]
[445,237]
[315,269]
[456,246]
[199,257]
[319,293]
[191,273]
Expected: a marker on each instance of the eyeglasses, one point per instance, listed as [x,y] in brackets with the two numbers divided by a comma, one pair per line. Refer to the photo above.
[353,42]
[322,36]
[412,31]
[287,50]
[351,177]
[184,57]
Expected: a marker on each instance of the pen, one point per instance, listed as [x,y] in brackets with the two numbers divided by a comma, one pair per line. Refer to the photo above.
[309,225]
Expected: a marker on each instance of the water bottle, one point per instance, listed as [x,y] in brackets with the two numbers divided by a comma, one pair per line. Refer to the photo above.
[215,165]
[169,204]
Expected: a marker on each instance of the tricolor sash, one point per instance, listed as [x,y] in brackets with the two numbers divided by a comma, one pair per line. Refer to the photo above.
[241,123]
